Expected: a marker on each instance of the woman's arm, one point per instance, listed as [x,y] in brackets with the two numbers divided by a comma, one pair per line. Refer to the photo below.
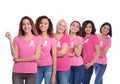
[97,53]
[31,58]
[104,52]
[78,49]
[63,50]
[13,47]
[71,54]
[54,58]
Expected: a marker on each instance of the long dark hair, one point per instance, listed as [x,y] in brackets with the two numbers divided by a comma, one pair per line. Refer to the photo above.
[50,28]
[79,33]
[85,23]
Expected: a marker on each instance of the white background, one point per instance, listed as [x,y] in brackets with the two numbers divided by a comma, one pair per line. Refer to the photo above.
[99,11]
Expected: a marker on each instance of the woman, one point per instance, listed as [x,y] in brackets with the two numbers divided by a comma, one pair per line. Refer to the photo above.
[105,43]
[91,48]
[47,61]
[25,50]
[76,61]
[63,41]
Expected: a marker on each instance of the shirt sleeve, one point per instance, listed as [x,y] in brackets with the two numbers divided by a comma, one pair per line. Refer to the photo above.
[80,40]
[108,43]
[66,39]
[96,40]
[16,40]
[39,40]
[53,42]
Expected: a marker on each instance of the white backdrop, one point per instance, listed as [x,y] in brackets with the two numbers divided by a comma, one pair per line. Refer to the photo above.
[99,11]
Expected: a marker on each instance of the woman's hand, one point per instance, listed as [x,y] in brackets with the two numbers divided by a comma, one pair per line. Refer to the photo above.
[8,35]
[16,60]
[88,65]
[53,79]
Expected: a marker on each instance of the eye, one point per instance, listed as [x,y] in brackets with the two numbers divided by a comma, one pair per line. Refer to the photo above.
[28,23]
[73,25]
[23,24]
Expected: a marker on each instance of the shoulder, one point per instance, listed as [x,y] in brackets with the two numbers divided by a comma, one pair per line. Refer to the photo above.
[93,36]
[108,39]
[37,38]
[98,35]
[66,35]
[52,38]
[95,39]
[79,37]
[18,37]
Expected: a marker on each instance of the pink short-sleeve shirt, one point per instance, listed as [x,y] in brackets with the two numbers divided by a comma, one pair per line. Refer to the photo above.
[104,43]
[89,48]
[25,49]
[45,56]
[63,62]
[75,60]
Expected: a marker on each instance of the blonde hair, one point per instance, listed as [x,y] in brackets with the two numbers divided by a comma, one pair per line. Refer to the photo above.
[63,20]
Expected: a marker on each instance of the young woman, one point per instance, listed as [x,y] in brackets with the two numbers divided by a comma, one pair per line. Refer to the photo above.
[47,61]
[63,41]
[91,48]
[76,61]
[25,51]
[105,43]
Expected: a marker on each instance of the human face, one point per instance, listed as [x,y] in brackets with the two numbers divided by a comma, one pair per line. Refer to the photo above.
[88,28]
[44,24]
[61,27]
[74,27]
[105,29]
[26,26]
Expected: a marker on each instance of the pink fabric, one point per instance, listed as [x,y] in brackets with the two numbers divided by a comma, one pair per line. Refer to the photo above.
[76,60]
[104,43]
[63,63]
[25,49]
[45,57]
[89,47]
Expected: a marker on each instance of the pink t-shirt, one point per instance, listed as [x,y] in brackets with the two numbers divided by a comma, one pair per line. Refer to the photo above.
[76,60]
[63,63]
[104,43]
[25,49]
[45,56]
[89,47]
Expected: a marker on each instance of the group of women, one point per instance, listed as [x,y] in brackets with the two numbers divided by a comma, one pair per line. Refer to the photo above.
[60,57]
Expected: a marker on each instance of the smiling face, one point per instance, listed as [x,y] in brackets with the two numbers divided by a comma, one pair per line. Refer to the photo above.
[88,28]
[44,24]
[105,29]
[74,28]
[61,26]
[26,26]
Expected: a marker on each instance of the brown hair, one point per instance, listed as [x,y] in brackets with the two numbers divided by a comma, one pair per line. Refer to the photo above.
[79,33]
[21,32]
[50,28]
[85,23]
